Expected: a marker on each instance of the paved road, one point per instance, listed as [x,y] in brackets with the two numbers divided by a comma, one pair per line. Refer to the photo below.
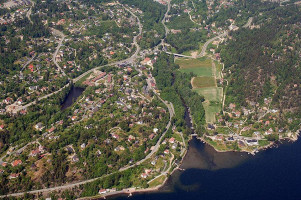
[27,63]
[29,11]
[62,36]
[164,18]
[204,48]
[250,20]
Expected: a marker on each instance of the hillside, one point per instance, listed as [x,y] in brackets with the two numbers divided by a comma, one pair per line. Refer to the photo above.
[265,61]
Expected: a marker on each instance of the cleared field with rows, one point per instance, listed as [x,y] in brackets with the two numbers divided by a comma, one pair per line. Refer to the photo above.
[205,83]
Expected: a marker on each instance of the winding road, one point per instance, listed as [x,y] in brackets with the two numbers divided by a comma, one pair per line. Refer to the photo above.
[18,108]
[204,48]
[62,36]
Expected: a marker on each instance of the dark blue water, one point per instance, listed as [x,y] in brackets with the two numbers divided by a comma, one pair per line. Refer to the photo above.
[74,93]
[271,174]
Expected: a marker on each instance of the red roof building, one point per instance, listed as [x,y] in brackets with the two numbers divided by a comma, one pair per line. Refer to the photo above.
[16,162]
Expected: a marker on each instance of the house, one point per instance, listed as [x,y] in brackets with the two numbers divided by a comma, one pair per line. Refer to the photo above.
[14,175]
[166,151]
[131,138]
[252,142]
[8,100]
[83,145]
[16,163]
[75,158]
[31,67]
[19,101]
[151,136]
[102,191]
[39,126]
[155,130]
[144,175]
[34,152]
[115,136]
[73,117]
[1,127]
[174,146]
[171,140]
[51,129]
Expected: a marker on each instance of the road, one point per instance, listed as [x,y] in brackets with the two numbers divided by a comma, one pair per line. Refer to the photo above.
[250,20]
[29,11]
[27,63]
[164,18]
[62,36]
[204,48]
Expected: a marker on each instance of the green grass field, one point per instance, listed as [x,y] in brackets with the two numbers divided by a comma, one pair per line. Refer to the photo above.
[211,93]
[203,81]
[193,63]
[200,67]
[202,71]
[214,94]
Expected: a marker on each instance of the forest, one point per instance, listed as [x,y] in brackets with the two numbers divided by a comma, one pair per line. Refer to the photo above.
[265,62]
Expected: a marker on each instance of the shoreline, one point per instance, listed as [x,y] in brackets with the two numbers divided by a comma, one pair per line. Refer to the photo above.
[271,145]
[132,191]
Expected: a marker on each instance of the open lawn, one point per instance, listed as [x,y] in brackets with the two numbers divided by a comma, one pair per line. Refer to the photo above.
[157,181]
[203,81]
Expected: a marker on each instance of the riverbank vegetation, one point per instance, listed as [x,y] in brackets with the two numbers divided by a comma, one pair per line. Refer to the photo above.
[175,87]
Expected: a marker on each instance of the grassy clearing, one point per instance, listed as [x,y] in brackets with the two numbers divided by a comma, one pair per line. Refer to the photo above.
[203,81]
[200,67]
[202,71]
[211,93]
[212,105]
[157,181]
[193,63]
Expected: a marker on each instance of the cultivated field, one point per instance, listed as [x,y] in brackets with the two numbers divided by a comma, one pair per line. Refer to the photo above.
[203,82]
[200,67]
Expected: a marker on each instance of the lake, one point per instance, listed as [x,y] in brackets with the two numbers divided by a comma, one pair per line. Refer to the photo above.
[271,174]
[74,93]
